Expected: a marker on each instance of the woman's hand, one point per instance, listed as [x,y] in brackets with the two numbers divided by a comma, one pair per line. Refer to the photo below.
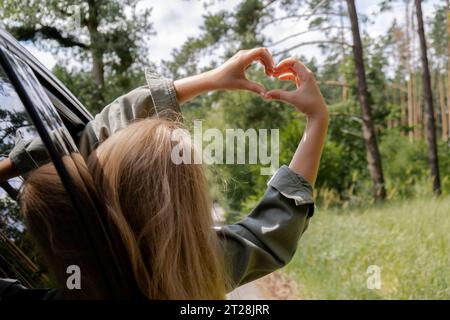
[229,76]
[7,170]
[307,97]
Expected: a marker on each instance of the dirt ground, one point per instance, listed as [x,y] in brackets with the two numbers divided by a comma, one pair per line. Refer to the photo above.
[274,286]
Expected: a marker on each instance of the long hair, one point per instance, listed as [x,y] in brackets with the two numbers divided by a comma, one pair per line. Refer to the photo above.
[160,212]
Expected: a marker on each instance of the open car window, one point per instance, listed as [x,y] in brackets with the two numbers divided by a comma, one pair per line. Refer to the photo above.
[27,113]
[14,122]
[43,107]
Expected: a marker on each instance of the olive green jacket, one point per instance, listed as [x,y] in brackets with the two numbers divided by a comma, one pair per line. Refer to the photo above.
[260,243]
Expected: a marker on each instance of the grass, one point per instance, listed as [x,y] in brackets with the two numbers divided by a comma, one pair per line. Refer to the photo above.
[408,240]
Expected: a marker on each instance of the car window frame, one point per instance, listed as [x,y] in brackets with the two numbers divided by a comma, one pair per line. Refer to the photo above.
[85,210]
[45,77]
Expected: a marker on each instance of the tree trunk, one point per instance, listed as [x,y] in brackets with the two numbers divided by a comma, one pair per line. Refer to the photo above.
[342,39]
[428,100]
[373,154]
[96,46]
[98,68]
[448,63]
[415,117]
[396,98]
[402,104]
[410,75]
[414,84]
[444,124]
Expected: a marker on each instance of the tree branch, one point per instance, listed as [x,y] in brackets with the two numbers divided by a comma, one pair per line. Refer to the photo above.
[313,11]
[301,33]
[335,83]
[298,17]
[356,135]
[350,116]
[46,32]
[268,4]
[308,43]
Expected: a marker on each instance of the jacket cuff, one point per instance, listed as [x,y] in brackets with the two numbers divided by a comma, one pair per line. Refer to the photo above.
[163,92]
[293,186]
[28,154]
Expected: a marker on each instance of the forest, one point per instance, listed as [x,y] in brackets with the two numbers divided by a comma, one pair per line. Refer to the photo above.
[383,189]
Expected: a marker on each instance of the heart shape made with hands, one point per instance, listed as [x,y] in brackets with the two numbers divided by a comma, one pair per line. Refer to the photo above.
[288,71]
[270,82]
[232,74]
[305,97]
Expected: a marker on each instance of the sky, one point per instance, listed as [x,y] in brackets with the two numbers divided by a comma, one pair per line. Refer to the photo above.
[176,20]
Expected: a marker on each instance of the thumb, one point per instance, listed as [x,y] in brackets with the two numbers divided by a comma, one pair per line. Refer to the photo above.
[252,86]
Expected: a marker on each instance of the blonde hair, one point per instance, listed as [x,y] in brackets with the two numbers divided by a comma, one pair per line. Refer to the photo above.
[160,211]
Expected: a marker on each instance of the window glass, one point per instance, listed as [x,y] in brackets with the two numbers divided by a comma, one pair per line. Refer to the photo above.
[60,195]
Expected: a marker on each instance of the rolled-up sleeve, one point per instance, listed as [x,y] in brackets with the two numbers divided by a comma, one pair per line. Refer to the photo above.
[28,154]
[267,238]
[162,91]
[156,98]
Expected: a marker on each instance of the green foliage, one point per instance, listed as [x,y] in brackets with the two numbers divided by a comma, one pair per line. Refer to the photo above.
[11,263]
[69,23]
[408,240]
[406,165]
[85,89]
[438,29]
[10,221]
[107,37]
[229,30]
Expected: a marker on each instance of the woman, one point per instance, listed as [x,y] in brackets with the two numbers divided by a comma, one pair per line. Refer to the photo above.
[160,211]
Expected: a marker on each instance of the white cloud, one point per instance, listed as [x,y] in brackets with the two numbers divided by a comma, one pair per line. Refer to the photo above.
[174,22]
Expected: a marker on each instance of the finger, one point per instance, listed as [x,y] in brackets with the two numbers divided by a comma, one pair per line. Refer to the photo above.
[290,77]
[287,77]
[292,64]
[278,94]
[267,70]
[288,62]
[301,70]
[252,86]
[263,55]
[277,72]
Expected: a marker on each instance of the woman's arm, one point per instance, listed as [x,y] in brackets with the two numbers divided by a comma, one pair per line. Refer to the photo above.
[7,170]
[164,95]
[160,96]
[308,100]
[229,76]
[268,238]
